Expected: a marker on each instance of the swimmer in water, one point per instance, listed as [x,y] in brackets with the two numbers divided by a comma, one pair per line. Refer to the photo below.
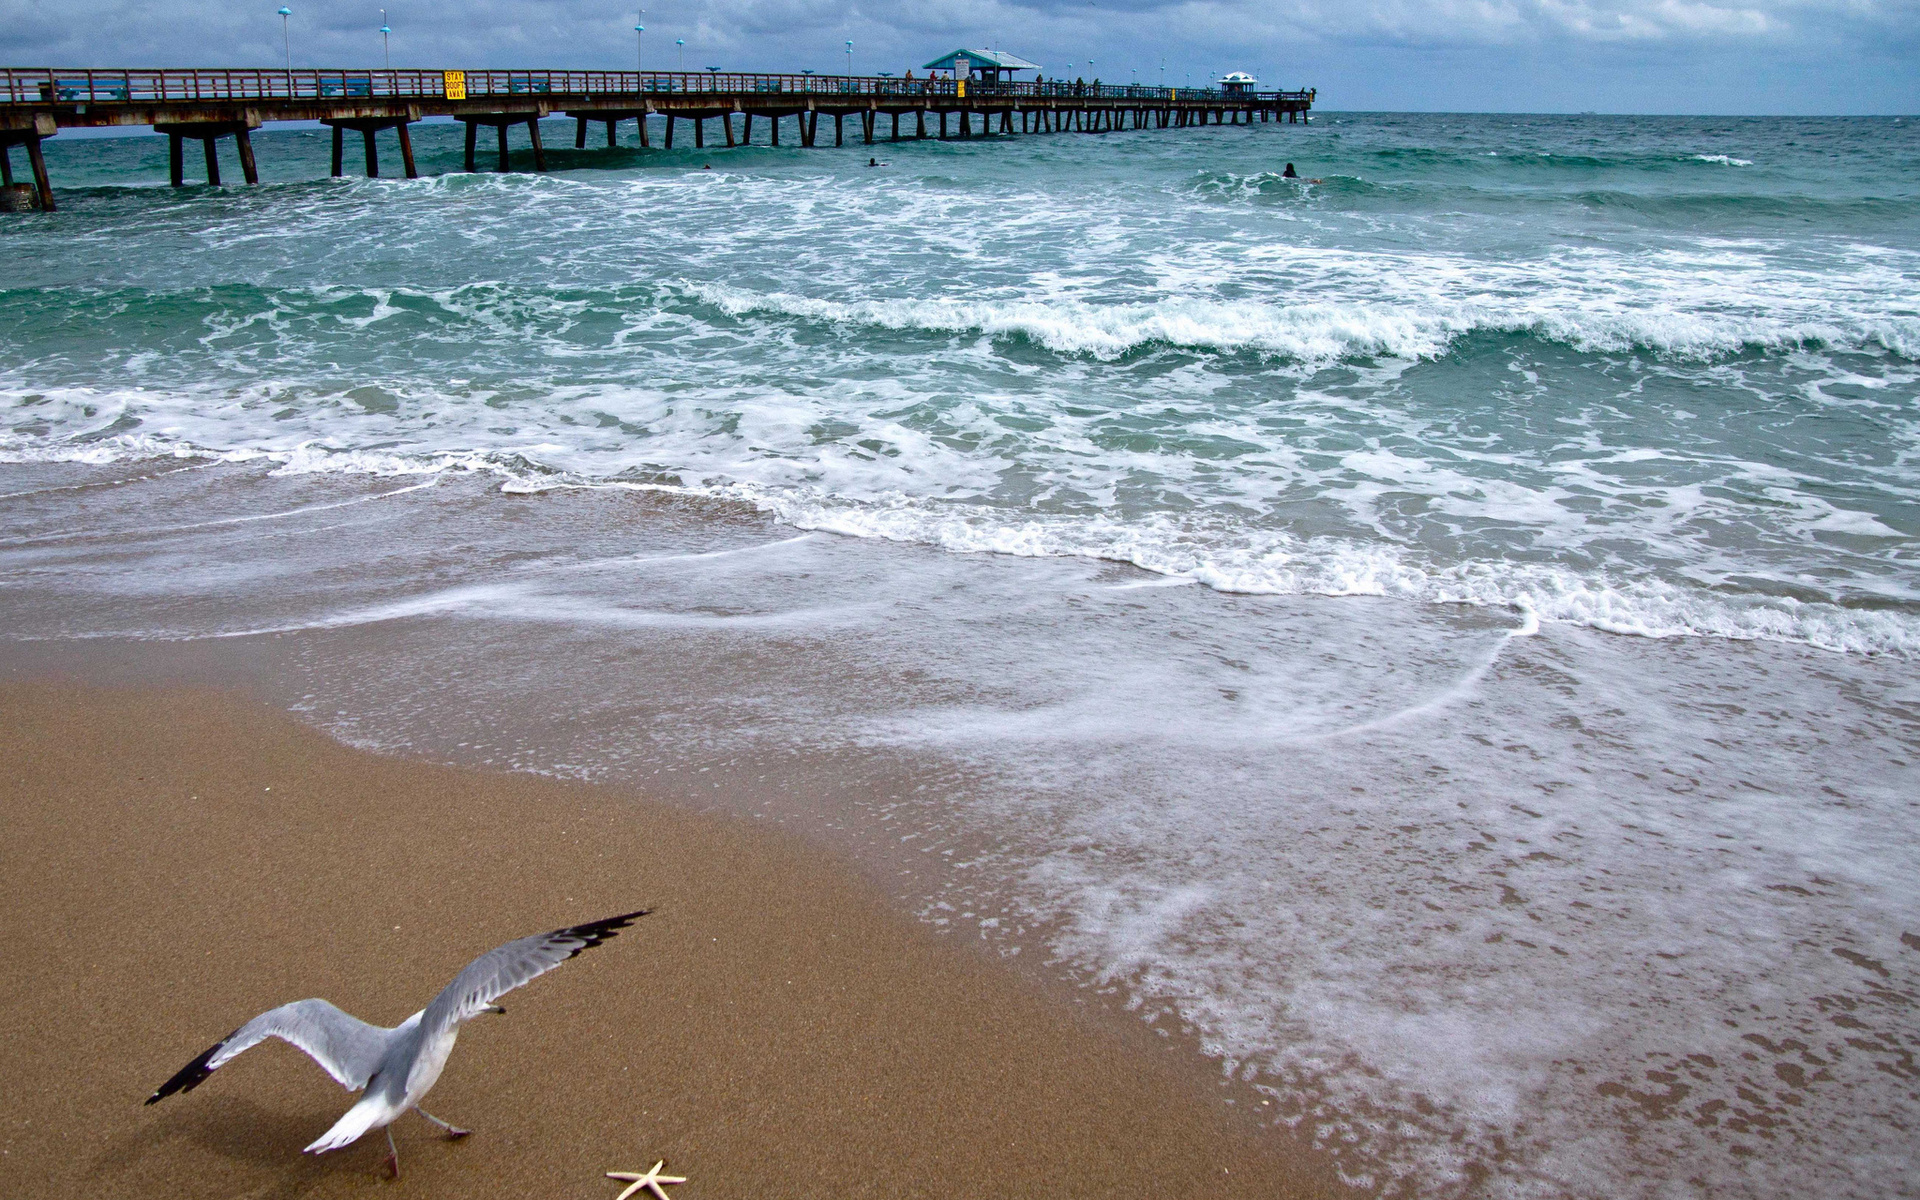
[874,162]
[1289,173]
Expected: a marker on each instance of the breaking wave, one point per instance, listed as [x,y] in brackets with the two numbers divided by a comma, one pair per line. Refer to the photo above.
[1315,332]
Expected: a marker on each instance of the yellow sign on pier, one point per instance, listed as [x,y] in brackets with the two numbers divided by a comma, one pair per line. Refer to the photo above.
[456,84]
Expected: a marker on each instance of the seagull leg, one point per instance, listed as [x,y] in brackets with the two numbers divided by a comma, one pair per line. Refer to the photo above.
[393,1154]
[454,1132]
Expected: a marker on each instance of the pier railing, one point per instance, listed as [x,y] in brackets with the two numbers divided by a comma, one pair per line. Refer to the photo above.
[41,86]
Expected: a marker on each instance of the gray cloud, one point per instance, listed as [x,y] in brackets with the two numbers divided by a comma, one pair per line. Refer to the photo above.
[1611,55]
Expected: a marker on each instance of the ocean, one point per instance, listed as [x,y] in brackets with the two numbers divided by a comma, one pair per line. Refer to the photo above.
[1438,633]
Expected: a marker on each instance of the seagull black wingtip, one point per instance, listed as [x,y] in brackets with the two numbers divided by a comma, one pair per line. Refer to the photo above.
[592,933]
[190,1076]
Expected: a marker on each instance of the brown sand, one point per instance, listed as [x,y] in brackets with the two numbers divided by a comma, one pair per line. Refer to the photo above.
[176,861]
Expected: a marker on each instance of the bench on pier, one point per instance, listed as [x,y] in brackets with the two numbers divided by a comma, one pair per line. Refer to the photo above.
[84,89]
[347,87]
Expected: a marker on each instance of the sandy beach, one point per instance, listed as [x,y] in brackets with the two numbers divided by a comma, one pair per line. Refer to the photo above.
[179,860]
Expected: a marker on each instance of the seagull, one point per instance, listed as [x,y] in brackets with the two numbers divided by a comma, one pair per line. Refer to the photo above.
[396,1066]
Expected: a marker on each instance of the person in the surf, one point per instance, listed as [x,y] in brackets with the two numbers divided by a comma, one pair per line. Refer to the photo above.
[1289,173]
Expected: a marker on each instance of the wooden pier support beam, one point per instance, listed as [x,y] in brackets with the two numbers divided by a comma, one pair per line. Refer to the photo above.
[726,119]
[472,131]
[838,139]
[699,133]
[539,152]
[373,154]
[41,183]
[209,134]
[243,142]
[42,126]
[500,123]
[579,133]
[670,120]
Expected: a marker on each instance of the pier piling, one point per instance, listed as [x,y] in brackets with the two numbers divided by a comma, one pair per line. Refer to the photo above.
[29,134]
[368,128]
[209,134]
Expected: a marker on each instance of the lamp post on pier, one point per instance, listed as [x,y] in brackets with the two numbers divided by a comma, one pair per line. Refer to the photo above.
[682,43]
[849,59]
[385,29]
[639,32]
[286,40]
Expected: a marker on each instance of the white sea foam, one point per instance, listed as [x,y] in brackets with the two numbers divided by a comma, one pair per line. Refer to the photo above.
[1315,331]
[861,496]
[1284,565]
[1725,160]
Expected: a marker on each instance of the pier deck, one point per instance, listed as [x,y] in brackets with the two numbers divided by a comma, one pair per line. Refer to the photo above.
[210,104]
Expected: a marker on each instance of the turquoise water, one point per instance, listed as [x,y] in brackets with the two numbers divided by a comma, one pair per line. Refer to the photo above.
[1439,630]
[1651,375]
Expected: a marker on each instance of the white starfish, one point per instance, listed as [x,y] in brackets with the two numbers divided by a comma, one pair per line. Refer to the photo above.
[650,1181]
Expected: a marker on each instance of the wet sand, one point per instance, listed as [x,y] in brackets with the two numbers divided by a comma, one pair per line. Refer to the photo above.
[177,860]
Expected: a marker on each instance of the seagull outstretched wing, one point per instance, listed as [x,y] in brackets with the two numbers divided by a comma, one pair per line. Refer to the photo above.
[347,1047]
[504,968]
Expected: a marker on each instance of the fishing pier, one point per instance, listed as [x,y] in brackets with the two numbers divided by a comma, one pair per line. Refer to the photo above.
[208,105]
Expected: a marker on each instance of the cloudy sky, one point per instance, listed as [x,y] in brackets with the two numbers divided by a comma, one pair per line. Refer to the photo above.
[1676,56]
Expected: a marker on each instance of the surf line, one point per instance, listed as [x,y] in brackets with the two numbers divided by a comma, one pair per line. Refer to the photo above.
[106,483]
[644,560]
[155,531]
[1529,625]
